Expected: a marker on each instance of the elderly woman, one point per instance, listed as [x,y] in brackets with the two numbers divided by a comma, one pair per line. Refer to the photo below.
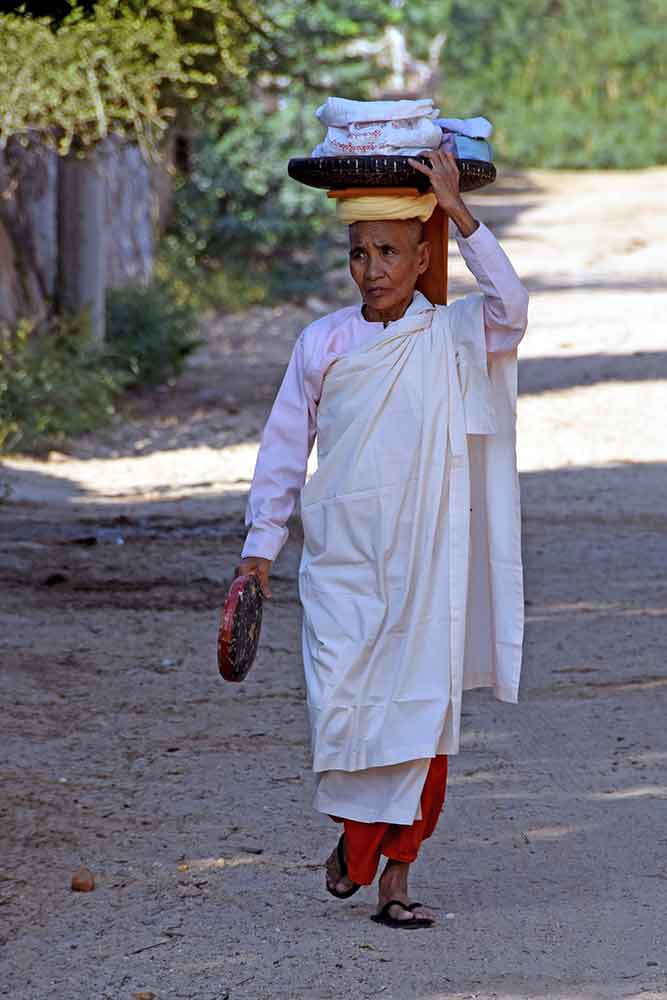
[410,579]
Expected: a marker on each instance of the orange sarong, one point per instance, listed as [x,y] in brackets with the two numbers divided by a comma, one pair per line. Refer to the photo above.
[365,842]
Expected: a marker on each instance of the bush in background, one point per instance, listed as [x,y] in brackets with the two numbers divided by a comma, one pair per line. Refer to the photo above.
[56,382]
[242,232]
[149,334]
[567,83]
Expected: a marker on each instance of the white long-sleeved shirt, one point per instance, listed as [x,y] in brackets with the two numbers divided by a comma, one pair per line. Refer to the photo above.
[289,434]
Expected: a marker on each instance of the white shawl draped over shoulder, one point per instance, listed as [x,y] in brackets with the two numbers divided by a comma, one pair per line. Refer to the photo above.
[410,577]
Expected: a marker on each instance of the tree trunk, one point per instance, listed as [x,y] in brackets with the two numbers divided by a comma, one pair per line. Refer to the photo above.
[28,245]
[81,239]
[131,210]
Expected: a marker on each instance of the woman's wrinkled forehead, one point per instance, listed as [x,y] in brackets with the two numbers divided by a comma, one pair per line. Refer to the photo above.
[404,232]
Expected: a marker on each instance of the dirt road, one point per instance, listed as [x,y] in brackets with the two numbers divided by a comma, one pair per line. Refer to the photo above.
[190,799]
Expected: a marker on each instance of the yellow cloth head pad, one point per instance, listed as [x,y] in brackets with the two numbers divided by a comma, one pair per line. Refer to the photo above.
[374,208]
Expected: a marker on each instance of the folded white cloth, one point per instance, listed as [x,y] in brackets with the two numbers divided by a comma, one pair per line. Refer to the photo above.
[386,128]
[397,137]
[339,111]
[475,128]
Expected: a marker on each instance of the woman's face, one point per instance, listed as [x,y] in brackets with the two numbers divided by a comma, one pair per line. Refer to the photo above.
[386,259]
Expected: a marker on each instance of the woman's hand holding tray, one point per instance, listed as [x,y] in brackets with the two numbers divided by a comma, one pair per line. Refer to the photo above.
[240,624]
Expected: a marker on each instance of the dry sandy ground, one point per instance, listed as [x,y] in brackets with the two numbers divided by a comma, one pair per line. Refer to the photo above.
[190,799]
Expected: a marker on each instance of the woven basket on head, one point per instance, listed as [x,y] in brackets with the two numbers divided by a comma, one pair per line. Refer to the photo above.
[336,172]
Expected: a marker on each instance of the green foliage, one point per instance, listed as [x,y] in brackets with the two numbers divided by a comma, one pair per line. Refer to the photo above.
[567,83]
[245,75]
[127,67]
[53,384]
[242,231]
[309,43]
[56,383]
[95,75]
[149,334]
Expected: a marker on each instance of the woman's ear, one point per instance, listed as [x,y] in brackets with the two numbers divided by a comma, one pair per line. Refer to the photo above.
[423,256]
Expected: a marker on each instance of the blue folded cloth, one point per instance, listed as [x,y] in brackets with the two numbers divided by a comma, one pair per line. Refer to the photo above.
[473,149]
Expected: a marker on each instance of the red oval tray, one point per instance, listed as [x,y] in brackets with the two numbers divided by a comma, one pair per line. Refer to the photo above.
[240,626]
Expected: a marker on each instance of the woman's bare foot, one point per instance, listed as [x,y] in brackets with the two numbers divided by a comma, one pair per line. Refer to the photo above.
[394,885]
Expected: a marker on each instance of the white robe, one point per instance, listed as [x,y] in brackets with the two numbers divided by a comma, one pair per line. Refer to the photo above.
[411,576]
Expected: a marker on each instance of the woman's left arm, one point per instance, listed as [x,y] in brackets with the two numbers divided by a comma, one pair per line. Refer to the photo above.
[505,298]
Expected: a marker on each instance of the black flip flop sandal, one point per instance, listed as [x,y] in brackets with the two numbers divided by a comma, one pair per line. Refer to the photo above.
[342,865]
[384,917]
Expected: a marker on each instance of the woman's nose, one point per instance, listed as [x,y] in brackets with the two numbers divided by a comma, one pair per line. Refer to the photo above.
[373,268]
